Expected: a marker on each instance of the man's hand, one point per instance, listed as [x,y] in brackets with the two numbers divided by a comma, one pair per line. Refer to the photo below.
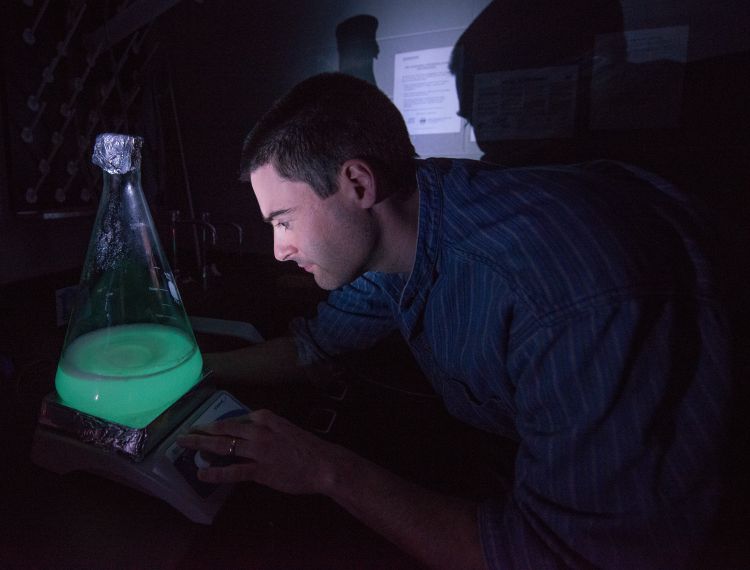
[441,531]
[269,450]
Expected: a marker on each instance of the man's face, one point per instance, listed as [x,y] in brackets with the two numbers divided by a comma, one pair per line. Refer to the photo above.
[331,238]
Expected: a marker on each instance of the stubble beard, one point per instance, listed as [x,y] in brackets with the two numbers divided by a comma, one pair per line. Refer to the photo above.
[368,238]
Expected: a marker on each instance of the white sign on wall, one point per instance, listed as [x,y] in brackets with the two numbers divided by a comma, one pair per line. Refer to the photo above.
[424,90]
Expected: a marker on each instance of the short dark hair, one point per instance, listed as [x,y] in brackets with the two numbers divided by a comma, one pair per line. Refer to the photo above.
[324,121]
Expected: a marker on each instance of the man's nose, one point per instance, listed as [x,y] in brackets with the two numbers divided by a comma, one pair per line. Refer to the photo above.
[282,248]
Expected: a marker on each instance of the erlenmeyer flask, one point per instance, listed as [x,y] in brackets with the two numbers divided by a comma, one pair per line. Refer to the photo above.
[129,352]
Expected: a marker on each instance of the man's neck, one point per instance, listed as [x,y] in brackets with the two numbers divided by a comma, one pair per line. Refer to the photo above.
[399,226]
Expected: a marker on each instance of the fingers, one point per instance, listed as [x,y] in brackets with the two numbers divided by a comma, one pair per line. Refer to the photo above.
[247,432]
[271,451]
[219,446]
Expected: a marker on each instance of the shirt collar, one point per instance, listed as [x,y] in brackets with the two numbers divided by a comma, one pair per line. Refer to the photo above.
[430,188]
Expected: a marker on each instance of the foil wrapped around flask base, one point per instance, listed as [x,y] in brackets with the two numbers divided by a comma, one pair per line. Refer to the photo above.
[134,443]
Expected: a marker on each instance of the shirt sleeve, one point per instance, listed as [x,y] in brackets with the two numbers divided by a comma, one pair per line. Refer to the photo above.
[621,418]
[354,317]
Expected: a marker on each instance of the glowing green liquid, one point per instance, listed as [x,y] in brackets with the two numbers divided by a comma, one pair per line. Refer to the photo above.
[128,374]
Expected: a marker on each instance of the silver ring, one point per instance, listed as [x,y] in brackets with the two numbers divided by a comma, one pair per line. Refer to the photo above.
[232,447]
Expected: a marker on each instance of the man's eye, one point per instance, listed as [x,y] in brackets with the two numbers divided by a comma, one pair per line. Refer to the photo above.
[283,225]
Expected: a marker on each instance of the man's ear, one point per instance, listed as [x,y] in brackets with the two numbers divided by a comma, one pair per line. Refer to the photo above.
[357,180]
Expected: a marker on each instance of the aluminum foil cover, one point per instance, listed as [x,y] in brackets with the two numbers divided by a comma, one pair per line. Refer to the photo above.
[117,153]
[132,442]
[90,429]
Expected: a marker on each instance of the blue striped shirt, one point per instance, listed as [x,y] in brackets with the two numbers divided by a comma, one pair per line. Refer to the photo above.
[573,309]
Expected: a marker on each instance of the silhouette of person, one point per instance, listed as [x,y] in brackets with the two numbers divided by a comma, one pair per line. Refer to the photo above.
[357,47]
[528,41]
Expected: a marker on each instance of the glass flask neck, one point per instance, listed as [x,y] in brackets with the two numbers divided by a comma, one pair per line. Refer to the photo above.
[125,184]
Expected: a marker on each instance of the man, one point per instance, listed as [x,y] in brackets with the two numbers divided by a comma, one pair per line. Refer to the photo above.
[572,309]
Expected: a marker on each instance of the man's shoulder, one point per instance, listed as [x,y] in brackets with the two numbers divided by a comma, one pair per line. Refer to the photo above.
[455,169]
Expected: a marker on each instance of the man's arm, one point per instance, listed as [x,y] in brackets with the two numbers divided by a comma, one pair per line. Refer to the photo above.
[353,318]
[271,362]
[440,531]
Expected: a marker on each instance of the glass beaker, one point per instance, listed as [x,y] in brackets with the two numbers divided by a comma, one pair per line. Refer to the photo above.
[129,351]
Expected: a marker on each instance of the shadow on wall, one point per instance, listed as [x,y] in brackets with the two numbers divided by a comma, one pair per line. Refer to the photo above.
[538,79]
[545,81]
[357,47]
